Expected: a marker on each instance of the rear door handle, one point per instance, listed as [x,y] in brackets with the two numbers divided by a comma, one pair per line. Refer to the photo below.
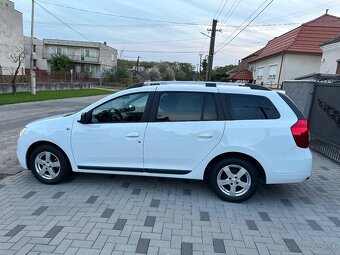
[205,135]
[132,135]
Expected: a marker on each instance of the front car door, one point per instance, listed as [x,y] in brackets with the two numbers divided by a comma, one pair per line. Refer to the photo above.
[186,127]
[113,140]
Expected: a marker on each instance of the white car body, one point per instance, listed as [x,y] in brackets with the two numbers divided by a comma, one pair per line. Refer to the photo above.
[174,149]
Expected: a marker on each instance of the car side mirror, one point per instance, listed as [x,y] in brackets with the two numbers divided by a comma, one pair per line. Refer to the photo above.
[85,118]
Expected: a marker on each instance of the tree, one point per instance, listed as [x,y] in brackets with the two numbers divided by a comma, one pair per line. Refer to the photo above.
[180,75]
[16,58]
[60,63]
[166,71]
[220,73]
[154,74]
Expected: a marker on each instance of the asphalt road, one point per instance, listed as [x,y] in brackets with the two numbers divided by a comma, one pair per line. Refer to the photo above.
[14,117]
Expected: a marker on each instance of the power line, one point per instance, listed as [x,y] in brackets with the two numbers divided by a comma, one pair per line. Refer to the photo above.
[222,9]
[225,44]
[305,11]
[162,52]
[120,16]
[218,8]
[231,11]
[258,8]
[67,25]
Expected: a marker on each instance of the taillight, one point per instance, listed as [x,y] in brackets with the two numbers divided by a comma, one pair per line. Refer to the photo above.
[300,132]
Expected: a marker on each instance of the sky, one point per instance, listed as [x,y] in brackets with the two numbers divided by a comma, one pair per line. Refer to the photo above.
[171,30]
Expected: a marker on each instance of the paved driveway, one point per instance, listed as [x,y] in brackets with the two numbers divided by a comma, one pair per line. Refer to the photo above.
[101,214]
[14,117]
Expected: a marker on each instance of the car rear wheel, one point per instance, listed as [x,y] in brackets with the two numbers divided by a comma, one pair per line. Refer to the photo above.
[49,164]
[234,179]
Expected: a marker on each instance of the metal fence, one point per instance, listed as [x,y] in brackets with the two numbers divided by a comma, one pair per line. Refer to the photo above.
[42,76]
[324,120]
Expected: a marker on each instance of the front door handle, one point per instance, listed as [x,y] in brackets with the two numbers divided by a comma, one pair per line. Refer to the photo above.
[205,135]
[132,135]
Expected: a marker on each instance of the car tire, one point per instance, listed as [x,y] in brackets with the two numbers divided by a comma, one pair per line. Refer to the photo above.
[49,164]
[234,179]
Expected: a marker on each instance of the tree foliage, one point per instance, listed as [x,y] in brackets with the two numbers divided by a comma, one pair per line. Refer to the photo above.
[60,63]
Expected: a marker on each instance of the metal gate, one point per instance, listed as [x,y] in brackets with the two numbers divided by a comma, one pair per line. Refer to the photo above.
[324,120]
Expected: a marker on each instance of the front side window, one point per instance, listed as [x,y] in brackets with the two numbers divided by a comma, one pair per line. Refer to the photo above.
[128,108]
[251,107]
[186,106]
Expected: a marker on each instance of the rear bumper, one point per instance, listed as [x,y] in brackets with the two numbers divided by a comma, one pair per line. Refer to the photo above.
[290,167]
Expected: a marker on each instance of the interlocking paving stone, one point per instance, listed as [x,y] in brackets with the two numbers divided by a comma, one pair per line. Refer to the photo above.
[322,177]
[53,232]
[251,225]
[264,216]
[306,200]
[314,225]
[29,194]
[186,249]
[175,217]
[204,216]
[154,203]
[136,191]
[58,194]
[125,185]
[292,246]
[15,230]
[1,186]
[150,221]
[320,189]
[107,213]
[143,245]
[187,192]
[335,220]
[92,199]
[40,210]
[218,246]
[324,168]
[119,225]
[286,202]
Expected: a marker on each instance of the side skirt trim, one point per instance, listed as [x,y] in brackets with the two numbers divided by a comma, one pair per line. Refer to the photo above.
[135,170]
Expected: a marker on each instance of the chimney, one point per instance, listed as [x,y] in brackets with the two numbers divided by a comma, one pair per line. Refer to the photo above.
[327,11]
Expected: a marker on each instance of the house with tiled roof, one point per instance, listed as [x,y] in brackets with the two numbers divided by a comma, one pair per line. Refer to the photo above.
[295,53]
[241,72]
[330,60]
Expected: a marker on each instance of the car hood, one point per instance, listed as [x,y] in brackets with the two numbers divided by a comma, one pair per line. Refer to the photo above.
[60,118]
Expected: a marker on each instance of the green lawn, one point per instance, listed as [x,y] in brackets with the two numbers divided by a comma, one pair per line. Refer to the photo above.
[23,97]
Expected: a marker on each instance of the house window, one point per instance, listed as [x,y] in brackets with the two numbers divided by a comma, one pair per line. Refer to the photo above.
[260,72]
[338,67]
[272,71]
[58,51]
[89,68]
[34,48]
[34,63]
[88,53]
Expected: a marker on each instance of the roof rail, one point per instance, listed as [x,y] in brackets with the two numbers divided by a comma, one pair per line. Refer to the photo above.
[202,83]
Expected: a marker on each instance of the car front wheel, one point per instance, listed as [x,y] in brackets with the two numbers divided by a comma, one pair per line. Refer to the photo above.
[49,164]
[234,179]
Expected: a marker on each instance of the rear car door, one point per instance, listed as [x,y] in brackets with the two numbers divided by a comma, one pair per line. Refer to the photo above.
[185,128]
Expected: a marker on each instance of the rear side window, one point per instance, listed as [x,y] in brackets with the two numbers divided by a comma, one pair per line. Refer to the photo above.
[292,106]
[251,107]
[186,106]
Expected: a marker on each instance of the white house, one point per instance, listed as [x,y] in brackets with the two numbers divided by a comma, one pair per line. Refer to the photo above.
[330,60]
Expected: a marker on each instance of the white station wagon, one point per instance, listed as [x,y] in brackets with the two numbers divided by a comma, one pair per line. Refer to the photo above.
[232,135]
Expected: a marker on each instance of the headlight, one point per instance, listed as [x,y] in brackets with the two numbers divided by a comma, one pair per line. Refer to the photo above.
[22,131]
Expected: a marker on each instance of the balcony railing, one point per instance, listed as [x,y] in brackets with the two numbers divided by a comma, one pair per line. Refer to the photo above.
[76,58]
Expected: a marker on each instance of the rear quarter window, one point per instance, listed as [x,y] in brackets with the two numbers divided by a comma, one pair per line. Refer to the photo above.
[251,107]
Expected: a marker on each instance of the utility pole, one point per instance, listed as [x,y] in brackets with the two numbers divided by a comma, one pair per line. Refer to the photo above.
[32,73]
[137,69]
[200,66]
[211,49]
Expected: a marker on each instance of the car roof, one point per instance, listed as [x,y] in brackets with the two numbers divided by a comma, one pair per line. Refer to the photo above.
[200,86]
